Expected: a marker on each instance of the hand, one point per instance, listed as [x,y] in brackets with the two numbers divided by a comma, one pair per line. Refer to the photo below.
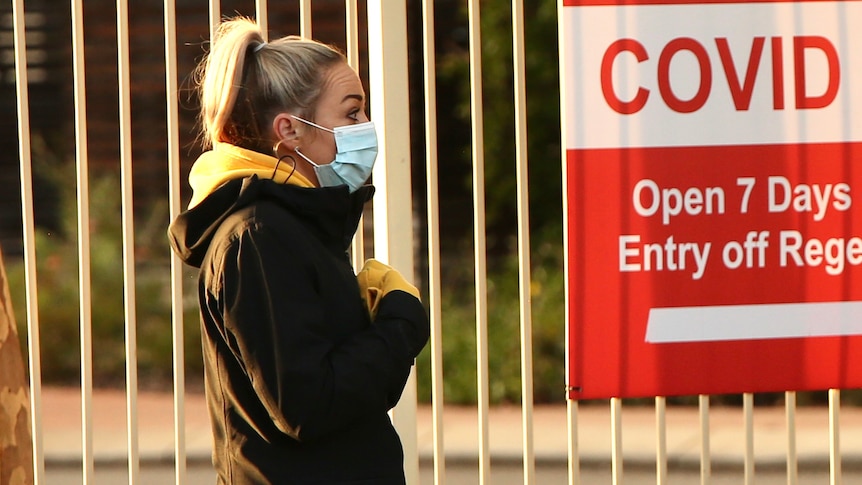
[376,280]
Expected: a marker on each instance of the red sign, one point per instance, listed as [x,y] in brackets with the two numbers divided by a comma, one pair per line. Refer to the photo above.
[714,196]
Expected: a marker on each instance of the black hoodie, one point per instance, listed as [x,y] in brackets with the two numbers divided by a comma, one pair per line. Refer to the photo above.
[298,378]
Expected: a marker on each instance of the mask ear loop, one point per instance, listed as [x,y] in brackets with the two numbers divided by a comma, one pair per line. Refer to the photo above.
[277,163]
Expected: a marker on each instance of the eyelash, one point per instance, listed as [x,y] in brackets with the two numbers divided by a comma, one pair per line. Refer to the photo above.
[353,115]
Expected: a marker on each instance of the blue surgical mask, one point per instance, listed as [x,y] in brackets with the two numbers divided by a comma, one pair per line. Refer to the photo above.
[356,150]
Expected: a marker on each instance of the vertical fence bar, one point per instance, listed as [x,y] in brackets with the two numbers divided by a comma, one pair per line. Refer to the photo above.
[521,157]
[748,418]
[351,20]
[617,440]
[173,131]
[393,206]
[124,84]
[262,17]
[351,15]
[476,109]
[215,17]
[82,172]
[705,458]
[834,437]
[574,468]
[34,351]
[792,457]
[433,214]
[661,440]
[305,18]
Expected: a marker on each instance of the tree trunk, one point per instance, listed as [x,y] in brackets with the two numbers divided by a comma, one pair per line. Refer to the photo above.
[16,450]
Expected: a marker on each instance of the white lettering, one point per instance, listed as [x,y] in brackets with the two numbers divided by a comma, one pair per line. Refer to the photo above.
[833,254]
[670,256]
[842,197]
[774,183]
[807,198]
[673,201]
[791,241]
[636,197]
[626,252]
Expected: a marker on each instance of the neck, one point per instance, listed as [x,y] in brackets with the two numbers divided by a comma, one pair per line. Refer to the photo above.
[306,169]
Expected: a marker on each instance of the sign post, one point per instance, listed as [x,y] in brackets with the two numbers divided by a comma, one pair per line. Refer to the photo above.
[713,180]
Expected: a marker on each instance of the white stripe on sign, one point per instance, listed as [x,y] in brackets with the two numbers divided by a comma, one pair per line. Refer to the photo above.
[749,322]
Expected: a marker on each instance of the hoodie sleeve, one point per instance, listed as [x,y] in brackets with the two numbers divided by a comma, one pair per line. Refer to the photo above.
[274,319]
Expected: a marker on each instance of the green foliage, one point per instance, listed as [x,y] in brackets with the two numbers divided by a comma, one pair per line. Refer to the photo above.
[545,189]
[498,96]
[59,300]
[545,192]
[503,328]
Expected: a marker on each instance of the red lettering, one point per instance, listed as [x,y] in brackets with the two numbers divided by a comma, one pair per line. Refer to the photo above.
[741,93]
[607,79]
[800,43]
[777,74]
[667,94]
[741,87]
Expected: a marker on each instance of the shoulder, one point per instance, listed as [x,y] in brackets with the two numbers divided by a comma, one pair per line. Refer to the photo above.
[265,224]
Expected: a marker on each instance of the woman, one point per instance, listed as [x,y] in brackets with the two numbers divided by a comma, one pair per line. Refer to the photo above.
[302,358]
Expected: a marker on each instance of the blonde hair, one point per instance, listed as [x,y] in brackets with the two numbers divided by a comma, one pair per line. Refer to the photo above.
[244,82]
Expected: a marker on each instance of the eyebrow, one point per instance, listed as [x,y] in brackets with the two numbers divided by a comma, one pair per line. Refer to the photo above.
[357,97]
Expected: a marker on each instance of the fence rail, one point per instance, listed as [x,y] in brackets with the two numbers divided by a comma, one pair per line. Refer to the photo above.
[394,222]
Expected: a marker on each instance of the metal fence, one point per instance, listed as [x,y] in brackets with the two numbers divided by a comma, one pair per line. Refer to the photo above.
[394,237]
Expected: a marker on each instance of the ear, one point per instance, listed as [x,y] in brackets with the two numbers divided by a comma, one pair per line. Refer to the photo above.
[284,128]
